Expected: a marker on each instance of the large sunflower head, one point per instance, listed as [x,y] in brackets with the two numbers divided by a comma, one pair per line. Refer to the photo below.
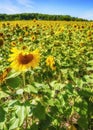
[22,60]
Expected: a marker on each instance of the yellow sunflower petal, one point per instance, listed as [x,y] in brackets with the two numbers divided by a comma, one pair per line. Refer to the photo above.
[22,60]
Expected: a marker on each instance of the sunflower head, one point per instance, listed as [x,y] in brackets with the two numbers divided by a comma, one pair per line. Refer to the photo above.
[17,25]
[26,33]
[20,39]
[8,23]
[4,25]
[1,41]
[13,43]
[50,62]
[4,74]
[1,34]
[33,37]
[22,60]
[25,59]
[24,47]
[34,20]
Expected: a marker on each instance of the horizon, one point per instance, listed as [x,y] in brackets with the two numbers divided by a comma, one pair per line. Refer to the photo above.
[46,14]
[74,8]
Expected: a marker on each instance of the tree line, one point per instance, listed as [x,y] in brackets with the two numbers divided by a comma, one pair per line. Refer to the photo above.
[38,16]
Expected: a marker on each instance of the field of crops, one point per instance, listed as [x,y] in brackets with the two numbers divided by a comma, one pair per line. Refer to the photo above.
[46,75]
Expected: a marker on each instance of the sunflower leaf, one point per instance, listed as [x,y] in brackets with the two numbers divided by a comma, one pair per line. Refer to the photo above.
[14,82]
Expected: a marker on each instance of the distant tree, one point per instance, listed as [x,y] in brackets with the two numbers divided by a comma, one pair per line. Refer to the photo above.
[38,16]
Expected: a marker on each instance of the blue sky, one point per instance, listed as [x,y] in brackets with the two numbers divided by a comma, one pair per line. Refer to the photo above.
[77,8]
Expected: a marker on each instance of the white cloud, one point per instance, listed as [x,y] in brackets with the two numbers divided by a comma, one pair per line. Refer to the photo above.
[9,10]
[26,3]
[7,7]
[21,6]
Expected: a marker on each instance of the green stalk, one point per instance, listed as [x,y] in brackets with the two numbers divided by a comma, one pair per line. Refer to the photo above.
[24,82]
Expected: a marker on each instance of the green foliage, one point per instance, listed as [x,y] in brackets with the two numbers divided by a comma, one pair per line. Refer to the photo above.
[2,114]
[30,16]
[42,98]
[14,82]
[38,111]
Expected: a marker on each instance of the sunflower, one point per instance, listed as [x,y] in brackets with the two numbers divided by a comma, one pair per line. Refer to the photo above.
[33,37]
[34,20]
[22,60]
[1,41]
[13,43]
[72,127]
[50,62]
[1,34]
[20,39]
[4,74]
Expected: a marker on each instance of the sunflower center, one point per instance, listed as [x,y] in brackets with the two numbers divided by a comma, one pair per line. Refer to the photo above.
[25,59]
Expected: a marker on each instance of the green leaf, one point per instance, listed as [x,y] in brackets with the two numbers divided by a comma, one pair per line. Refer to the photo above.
[27,110]
[51,102]
[38,85]
[14,82]
[69,87]
[34,127]
[13,75]
[1,125]
[83,122]
[39,111]
[2,114]
[30,88]
[90,62]
[19,91]
[20,112]
[44,124]
[3,94]
[13,123]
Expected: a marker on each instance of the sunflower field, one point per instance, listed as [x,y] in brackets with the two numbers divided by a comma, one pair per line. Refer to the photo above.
[46,75]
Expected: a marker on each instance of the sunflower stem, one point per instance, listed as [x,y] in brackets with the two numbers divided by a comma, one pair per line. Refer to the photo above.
[24,83]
